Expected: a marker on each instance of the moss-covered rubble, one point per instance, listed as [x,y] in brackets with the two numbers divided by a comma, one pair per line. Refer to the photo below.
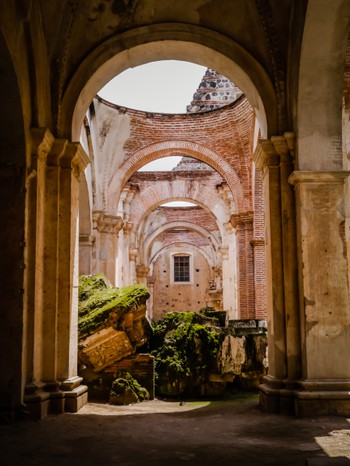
[101,305]
[185,346]
[126,390]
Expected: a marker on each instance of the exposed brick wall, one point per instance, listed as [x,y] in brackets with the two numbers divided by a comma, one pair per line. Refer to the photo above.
[159,187]
[221,138]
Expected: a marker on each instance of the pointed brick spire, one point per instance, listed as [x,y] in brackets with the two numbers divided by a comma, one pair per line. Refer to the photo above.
[214,91]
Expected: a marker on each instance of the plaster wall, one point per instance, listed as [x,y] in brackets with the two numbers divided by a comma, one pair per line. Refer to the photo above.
[169,296]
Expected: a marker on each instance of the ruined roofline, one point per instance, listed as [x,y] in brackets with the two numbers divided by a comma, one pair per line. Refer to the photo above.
[146,114]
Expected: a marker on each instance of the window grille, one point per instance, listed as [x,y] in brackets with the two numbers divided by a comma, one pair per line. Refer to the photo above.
[181,268]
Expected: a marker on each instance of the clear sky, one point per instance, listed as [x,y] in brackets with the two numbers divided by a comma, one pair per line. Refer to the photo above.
[164,86]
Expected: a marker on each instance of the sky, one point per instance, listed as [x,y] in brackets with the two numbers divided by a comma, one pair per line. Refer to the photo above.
[164,86]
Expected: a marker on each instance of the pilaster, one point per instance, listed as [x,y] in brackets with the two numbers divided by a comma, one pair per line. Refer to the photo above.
[142,272]
[51,275]
[274,158]
[107,228]
[243,224]
[324,292]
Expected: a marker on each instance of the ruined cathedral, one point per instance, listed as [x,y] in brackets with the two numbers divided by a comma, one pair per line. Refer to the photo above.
[264,149]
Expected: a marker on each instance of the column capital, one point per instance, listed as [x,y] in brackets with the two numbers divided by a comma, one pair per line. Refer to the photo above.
[127,227]
[270,152]
[74,158]
[142,270]
[133,254]
[243,218]
[41,142]
[321,177]
[105,223]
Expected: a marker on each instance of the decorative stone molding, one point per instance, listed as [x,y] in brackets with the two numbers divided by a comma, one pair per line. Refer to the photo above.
[243,218]
[227,196]
[270,152]
[257,242]
[321,177]
[142,270]
[86,240]
[74,158]
[105,223]
[133,254]
[127,227]
[42,141]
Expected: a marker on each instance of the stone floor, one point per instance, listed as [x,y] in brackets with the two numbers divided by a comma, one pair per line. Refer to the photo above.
[164,433]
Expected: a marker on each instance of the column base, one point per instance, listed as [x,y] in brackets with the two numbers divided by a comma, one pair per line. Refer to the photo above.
[305,398]
[276,396]
[75,395]
[36,401]
[323,398]
[54,398]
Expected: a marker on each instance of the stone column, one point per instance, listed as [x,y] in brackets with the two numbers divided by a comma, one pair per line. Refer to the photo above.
[86,245]
[142,272]
[229,285]
[243,224]
[324,293]
[36,398]
[275,158]
[150,286]
[71,163]
[51,324]
[107,230]
[133,256]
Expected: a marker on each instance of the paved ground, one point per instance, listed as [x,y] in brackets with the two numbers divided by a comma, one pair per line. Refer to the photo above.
[163,433]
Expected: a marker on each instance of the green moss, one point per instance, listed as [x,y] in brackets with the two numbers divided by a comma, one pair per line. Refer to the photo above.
[126,384]
[98,300]
[185,345]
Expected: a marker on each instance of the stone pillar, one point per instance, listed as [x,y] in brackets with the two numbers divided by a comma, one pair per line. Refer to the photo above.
[71,162]
[142,272]
[258,246]
[86,245]
[229,285]
[275,158]
[107,230]
[324,293]
[150,286]
[133,255]
[52,272]
[243,223]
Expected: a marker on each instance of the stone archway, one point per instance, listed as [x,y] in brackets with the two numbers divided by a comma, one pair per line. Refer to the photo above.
[167,41]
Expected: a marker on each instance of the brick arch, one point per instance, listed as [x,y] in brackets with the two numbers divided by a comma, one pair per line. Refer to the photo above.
[154,202]
[184,148]
[149,240]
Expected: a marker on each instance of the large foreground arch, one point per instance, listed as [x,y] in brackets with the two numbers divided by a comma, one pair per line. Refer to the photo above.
[163,42]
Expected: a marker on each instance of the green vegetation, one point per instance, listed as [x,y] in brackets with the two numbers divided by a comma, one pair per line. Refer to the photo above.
[102,305]
[125,390]
[185,346]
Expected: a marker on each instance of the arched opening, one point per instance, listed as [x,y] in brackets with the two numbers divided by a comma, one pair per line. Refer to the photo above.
[191,258]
